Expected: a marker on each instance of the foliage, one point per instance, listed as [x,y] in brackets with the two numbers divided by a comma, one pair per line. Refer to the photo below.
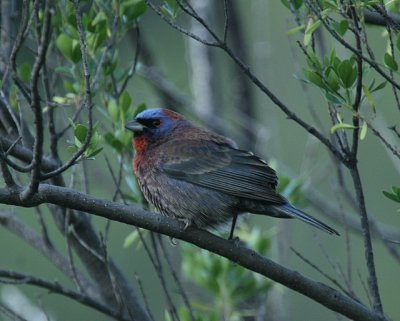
[394,194]
[236,292]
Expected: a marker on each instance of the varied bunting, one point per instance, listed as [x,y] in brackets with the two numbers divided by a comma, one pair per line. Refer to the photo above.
[202,178]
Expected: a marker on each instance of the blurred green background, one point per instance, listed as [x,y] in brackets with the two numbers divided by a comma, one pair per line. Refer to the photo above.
[275,58]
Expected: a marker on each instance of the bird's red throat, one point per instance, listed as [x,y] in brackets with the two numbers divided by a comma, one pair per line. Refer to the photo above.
[140,143]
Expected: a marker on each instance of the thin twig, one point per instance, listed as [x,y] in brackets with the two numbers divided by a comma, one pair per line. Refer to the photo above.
[87,100]
[357,99]
[146,302]
[226,24]
[9,109]
[246,70]
[161,277]
[184,31]
[328,277]
[116,291]
[345,44]
[10,313]
[132,70]
[369,254]
[177,280]
[395,151]
[38,243]
[7,176]
[67,228]
[36,107]
[55,287]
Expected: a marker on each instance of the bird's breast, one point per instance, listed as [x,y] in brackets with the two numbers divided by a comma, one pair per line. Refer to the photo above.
[141,143]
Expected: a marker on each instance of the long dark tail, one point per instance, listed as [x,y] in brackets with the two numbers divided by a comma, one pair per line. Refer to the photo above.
[289,210]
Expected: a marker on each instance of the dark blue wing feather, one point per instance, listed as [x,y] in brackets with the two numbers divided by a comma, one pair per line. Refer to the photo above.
[221,167]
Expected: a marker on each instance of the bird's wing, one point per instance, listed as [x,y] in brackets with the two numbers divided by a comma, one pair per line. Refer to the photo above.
[221,167]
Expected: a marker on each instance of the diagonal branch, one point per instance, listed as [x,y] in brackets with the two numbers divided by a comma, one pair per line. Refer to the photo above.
[253,78]
[57,288]
[132,215]
[12,224]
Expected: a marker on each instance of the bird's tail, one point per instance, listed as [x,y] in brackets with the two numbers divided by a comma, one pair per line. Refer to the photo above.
[289,210]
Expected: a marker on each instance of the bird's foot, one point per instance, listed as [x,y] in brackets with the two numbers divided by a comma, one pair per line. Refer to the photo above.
[185,221]
[173,241]
[235,241]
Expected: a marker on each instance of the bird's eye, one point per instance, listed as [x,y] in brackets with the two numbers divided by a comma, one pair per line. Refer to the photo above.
[156,123]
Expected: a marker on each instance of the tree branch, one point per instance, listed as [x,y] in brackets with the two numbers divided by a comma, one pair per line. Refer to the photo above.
[243,256]
[11,223]
[57,288]
[37,109]
[253,78]
[87,100]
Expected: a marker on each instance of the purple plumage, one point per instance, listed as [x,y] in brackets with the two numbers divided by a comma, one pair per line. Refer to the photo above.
[201,178]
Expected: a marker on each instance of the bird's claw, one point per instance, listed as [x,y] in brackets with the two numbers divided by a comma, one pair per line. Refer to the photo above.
[185,221]
[173,241]
[235,240]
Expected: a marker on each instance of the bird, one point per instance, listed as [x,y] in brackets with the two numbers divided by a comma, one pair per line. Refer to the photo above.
[202,178]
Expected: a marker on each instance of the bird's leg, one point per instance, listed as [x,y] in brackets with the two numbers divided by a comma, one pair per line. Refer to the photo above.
[233,226]
[185,221]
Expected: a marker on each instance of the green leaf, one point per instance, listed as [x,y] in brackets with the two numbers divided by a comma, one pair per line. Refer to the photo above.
[114,142]
[392,195]
[331,97]
[69,87]
[347,73]
[314,26]
[379,87]
[133,9]
[167,316]
[390,62]
[76,54]
[64,70]
[170,9]
[295,30]
[332,80]
[311,27]
[100,17]
[60,100]
[24,72]
[125,101]
[312,59]
[313,77]
[330,4]
[72,149]
[70,48]
[341,27]
[64,44]
[139,109]
[91,154]
[341,126]
[80,132]
[131,238]
[370,100]
[295,4]
[363,131]
[109,66]
[113,110]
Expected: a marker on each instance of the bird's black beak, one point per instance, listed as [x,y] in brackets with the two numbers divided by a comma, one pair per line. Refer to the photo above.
[134,126]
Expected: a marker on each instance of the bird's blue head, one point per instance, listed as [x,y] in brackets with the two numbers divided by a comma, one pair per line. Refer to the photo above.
[155,125]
